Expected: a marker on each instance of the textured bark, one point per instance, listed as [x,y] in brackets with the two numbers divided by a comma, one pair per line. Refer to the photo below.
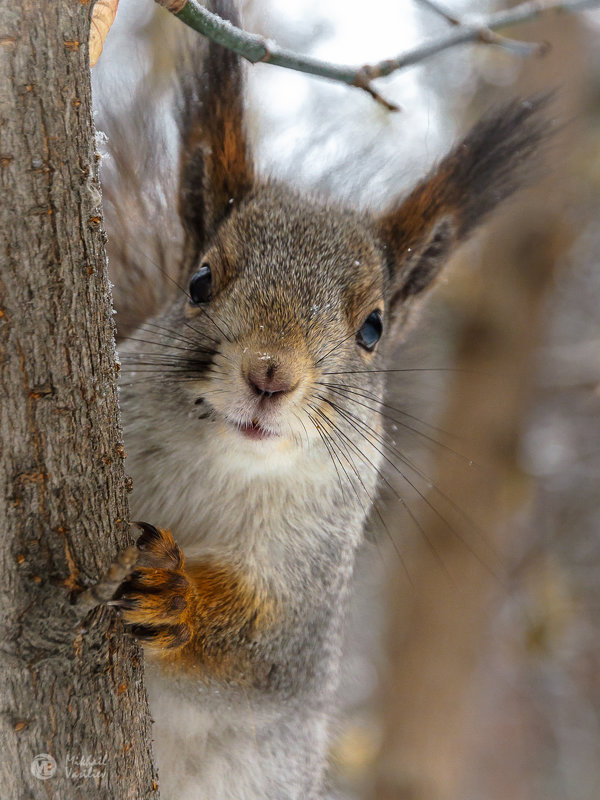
[74,694]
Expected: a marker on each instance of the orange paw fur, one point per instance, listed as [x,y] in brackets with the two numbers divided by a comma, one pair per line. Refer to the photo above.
[158,600]
[204,614]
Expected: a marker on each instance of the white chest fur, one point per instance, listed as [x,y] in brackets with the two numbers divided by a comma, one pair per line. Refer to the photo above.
[256,505]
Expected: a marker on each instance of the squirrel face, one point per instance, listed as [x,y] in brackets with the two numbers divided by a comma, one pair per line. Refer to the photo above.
[289,297]
[278,340]
[287,293]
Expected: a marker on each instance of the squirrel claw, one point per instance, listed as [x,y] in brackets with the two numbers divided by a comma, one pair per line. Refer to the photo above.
[100,593]
[149,535]
[121,603]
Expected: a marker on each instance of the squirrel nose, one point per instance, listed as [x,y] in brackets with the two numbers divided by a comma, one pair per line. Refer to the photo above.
[269,379]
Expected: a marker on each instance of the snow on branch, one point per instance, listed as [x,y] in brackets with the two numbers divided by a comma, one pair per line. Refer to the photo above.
[255,48]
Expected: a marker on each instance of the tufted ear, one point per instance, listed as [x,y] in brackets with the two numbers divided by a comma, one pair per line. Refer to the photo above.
[215,170]
[494,160]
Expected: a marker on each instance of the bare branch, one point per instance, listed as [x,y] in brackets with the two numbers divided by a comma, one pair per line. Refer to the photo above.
[255,48]
[485,35]
[441,11]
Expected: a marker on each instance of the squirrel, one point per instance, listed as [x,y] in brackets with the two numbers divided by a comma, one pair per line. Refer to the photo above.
[245,420]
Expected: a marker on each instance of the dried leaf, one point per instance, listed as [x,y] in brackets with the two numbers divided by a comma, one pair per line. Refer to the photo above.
[103,17]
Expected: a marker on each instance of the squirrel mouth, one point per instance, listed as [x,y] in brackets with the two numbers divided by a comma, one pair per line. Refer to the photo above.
[254,430]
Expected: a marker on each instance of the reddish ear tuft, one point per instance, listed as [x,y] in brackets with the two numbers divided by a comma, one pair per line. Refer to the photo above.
[493,161]
[216,169]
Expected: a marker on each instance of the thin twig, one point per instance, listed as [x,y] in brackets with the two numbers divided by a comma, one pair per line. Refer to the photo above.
[255,48]
[441,11]
[485,35]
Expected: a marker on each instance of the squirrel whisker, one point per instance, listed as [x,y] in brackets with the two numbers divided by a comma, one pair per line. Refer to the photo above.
[345,393]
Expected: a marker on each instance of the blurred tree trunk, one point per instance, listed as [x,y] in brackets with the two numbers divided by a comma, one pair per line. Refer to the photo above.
[438,633]
[72,697]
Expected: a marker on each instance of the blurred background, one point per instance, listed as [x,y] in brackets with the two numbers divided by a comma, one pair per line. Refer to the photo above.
[472,666]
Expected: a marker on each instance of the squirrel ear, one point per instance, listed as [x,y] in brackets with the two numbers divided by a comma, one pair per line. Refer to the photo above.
[494,160]
[424,260]
[215,169]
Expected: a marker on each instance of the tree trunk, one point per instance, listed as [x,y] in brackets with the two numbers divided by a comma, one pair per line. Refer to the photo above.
[74,715]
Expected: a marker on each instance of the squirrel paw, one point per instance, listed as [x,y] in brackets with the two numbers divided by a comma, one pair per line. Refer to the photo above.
[157,599]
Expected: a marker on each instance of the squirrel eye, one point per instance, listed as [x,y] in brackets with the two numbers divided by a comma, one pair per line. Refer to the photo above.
[371,331]
[201,285]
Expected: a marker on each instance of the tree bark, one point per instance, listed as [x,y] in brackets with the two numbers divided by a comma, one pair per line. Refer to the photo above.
[72,695]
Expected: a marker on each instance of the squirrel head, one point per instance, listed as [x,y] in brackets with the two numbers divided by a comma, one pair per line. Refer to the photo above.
[287,292]
[290,301]
[298,298]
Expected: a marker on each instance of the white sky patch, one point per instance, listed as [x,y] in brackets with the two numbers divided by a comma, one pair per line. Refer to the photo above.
[319,126]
